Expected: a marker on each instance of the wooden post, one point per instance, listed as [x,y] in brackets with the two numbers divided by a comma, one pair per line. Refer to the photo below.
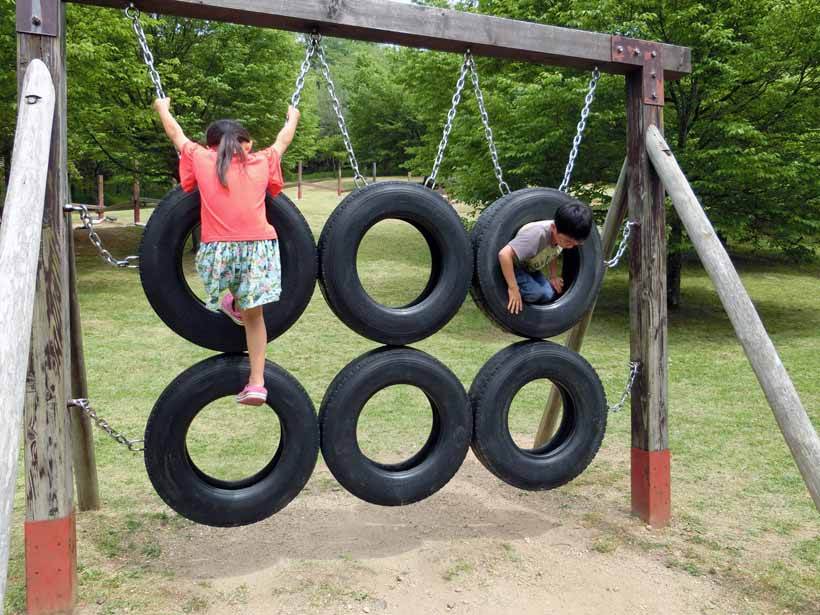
[339,182]
[299,183]
[651,495]
[575,338]
[51,556]
[791,416]
[408,176]
[136,196]
[19,249]
[82,436]
[101,197]
[374,172]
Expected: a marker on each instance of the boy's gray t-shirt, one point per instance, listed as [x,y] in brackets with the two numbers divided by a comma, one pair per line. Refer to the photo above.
[533,247]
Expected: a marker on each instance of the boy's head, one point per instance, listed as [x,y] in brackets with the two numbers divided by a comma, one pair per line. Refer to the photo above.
[573,223]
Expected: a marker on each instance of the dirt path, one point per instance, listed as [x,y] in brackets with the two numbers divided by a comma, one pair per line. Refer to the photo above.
[477,547]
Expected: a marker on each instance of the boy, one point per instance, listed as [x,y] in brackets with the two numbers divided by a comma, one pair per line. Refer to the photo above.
[537,245]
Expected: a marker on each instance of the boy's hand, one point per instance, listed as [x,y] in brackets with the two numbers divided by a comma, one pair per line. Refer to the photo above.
[515,304]
[162,104]
[557,283]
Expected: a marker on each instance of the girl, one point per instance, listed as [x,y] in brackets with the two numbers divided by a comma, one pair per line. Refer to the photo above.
[239,249]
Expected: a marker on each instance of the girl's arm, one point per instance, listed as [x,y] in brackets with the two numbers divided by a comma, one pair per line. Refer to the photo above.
[287,133]
[171,126]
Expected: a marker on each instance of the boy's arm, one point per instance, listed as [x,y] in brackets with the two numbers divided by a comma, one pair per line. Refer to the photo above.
[556,280]
[171,126]
[287,133]
[505,258]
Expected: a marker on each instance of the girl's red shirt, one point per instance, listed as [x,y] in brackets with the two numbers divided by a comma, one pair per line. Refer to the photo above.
[235,213]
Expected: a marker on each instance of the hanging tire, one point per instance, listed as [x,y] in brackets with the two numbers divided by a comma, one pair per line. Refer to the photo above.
[429,469]
[583,267]
[451,262]
[163,278]
[578,436]
[202,498]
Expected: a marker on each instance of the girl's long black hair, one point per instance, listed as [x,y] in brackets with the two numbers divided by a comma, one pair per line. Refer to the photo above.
[228,135]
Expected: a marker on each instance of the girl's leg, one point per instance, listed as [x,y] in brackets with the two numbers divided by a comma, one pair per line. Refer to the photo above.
[257,337]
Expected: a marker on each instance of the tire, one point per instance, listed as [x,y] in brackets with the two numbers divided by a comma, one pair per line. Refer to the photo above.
[164,283]
[429,469]
[204,499]
[450,253]
[579,435]
[583,267]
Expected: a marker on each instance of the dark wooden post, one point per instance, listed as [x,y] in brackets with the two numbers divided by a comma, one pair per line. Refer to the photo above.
[651,495]
[374,172]
[136,192]
[299,183]
[51,555]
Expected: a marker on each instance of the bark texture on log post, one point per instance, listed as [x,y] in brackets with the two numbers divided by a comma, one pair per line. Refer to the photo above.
[19,250]
[651,498]
[789,412]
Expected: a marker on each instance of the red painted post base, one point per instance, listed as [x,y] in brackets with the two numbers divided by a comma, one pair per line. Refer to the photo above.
[51,566]
[651,492]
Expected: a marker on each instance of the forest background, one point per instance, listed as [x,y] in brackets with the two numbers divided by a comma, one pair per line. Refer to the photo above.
[745,125]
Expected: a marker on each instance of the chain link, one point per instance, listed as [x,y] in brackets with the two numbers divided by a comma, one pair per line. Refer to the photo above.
[88,225]
[613,262]
[576,142]
[634,368]
[488,132]
[133,13]
[358,178]
[430,182]
[300,80]
[85,407]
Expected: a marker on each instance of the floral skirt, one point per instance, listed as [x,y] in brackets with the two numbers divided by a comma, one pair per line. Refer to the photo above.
[251,270]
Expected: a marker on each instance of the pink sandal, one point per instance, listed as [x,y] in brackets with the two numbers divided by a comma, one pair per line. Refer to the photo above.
[252,395]
[228,306]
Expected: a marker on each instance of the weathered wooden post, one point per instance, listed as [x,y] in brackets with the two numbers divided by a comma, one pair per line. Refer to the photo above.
[651,495]
[101,196]
[299,183]
[51,556]
[788,410]
[374,172]
[339,181]
[19,249]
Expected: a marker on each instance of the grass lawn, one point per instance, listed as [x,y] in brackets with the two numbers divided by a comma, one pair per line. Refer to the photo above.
[741,513]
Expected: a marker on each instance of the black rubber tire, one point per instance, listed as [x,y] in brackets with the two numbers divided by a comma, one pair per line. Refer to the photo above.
[579,435]
[450,253]
[168,293]
[429,469]
[583,267]
[211,501]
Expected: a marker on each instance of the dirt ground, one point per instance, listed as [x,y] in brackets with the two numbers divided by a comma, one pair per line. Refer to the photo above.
[476,547]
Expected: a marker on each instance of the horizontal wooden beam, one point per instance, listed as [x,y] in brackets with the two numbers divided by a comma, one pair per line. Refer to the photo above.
[382,21]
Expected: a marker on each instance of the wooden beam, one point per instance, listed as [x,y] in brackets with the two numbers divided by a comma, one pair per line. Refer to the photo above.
[19,251]
[651,496]
[382,21]
[791,416]
[575,338]
[51,556]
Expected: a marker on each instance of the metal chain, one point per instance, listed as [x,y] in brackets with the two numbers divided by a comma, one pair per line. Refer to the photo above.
[133,13]
[300,80]
[448,126]
[88,225]
[85,407]
[634,368]
[358,178]
[576,142]
[613,262]
[502,185]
